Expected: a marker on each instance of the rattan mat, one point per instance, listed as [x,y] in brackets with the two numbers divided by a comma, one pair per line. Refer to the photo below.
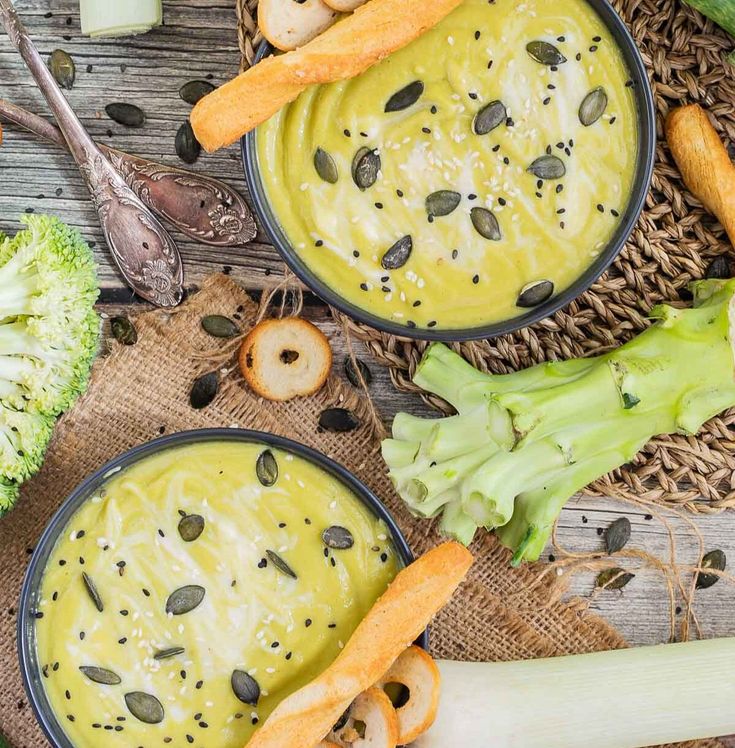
[673,243]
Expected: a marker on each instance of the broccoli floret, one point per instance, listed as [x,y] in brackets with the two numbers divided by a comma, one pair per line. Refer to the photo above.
[48,328]
[8,497]
[49,334]
[23,440]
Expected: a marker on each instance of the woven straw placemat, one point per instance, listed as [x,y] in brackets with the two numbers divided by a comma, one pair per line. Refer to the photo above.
[139,392]
[673,243]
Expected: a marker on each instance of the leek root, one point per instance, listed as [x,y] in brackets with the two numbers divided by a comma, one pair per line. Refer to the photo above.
[522,444]
[621,699]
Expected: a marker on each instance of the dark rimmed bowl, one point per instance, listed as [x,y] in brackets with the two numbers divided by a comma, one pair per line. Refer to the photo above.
[29,665]
[641,184]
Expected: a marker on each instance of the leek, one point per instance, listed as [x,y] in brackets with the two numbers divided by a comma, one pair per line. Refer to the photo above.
[621,699]
[119,17]
[522,444]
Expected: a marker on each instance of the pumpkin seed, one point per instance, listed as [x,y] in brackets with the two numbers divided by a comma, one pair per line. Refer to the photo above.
[245,687]
[489,117]
[486,224]
[193,91]
[548,167]
[593,106]
[718,268]
[219,326]
[325,166]
[614,579]
[351,373]
[63,69]
[617,535]
[339,538]
[712,560]
[204,390]
[533,294]
[280,564]
[92,591]
[185,599]
[266,468]
[126,114]
[144,707]
[406,97]
[164,654]
[191,527]
[545,53]
[186,144]
[365,167]
[397,256]
[442,202]
[339,420]
[123,330]
[101,675]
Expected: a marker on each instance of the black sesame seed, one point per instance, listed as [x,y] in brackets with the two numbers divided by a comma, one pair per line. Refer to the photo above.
[547,101]
[123,612]
[289,655]
[333,562]
[539,195]
[38,614]
[593,48]
[364,286]
[472,196]
[332,626]
[81,534]
[561,211]
[427,130]
[475,279]
[199,684]
[182,673]
[67,693]
[551,87]
[477,35]
[203,725]
[554,68]
[281,525]
[559,188]
[70,717]
[489,64]
[614,213]
[539,184]
[612,120]
[307,521]
[318,243]
[506,161]
[364,134]
[355,253]
[410,323]
[81,635]
[55,666]
[560,39]
[379,206]
[502,201]
[496,148]
[399,193]
[434,110]
[596,38]
[601,208]
[472,95]
[123,640]
[417,303]
[348,134]
[254,721]
[161,533]
[146,592]
[262,563]
[62,562]
[578,56]
[307,622]
[432,323]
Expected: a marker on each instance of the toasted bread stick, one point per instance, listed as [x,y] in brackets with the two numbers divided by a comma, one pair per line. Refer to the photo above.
[704,163]
[396,619]
[345,50]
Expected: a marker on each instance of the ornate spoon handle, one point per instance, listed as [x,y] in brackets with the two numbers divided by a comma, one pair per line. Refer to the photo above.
[200,207]
[146,255]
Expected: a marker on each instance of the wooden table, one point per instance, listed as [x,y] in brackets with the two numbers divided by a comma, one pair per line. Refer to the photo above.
[199,41]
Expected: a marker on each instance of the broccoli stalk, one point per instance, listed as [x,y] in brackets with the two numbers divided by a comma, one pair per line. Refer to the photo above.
[522,444]
[48,339]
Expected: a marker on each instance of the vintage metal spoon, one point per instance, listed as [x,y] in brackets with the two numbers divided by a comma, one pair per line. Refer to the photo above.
[200,207]
[146,255]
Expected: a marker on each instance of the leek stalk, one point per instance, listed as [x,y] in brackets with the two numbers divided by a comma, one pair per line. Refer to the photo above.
[522,444]
[626,698]
[119,17]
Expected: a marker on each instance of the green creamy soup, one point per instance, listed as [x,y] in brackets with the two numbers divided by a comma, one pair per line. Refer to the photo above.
[481,192]
[208,596]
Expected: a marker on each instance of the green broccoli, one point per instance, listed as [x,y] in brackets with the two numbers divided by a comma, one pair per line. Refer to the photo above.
[48,339]
[522,444]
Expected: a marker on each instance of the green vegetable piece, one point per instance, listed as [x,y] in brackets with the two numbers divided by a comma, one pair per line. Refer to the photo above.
[48,335]
[522,444]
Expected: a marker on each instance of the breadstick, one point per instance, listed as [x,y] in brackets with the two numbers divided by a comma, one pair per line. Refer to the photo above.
[704,163]
[345,50]
[396,619]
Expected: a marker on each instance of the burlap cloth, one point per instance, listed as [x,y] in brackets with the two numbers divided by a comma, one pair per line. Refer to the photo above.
[139,392]
[673,243]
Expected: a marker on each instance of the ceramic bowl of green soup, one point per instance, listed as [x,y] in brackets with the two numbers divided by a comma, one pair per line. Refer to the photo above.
[186,588]
[472,182]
